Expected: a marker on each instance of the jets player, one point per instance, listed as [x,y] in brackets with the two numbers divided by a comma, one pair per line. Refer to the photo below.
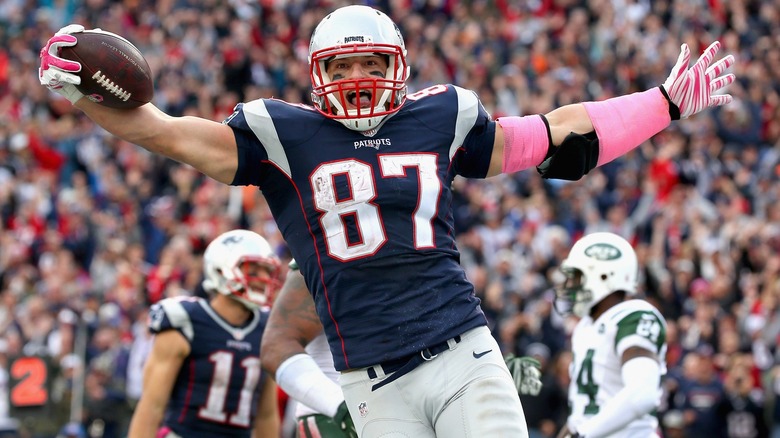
[360,186]
[203,376]
[619,344]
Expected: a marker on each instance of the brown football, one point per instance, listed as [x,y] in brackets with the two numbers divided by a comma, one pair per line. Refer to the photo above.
[113,72]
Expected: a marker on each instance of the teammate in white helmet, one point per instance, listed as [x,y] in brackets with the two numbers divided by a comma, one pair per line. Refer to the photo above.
[360,184]
[619,343]
[203,376]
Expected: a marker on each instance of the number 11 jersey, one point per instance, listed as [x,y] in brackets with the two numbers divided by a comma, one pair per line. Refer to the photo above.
[218,386]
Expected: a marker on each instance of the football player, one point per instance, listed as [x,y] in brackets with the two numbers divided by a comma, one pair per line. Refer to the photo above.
[203,376]
[295,350]
[618,345]
[360,185]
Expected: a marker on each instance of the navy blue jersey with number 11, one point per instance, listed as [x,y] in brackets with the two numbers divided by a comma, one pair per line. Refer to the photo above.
[216,392]
[368,218]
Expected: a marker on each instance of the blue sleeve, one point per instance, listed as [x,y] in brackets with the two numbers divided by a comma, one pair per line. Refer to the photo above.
[472,159]
[171,314]
[250,150]
[158,320]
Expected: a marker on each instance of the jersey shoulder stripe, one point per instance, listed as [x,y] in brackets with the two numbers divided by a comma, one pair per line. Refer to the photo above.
[457,114]
[172,314]
[259,120]
[468,111]
[642,321]
[276,126]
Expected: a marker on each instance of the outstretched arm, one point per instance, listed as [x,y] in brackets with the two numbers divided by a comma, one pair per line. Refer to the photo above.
[207,145]
[570,141]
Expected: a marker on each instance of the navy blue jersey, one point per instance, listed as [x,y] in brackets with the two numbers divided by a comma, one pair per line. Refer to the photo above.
[217,389]
[354,208]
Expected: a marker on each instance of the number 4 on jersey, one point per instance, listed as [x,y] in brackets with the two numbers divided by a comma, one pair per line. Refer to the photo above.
[586,385]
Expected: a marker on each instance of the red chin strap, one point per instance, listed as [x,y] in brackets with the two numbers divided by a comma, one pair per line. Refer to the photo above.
[325,92]
[348,91]
[269,285]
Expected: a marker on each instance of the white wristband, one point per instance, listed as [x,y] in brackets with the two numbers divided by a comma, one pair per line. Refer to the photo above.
[71,93]
[301,378]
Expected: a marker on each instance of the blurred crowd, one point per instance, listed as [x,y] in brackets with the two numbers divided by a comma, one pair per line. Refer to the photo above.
[93,229]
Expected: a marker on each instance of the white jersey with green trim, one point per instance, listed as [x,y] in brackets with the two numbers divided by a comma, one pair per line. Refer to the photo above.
[596,366]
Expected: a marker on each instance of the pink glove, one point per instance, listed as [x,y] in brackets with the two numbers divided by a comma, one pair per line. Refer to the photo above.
[58,74]
[692,89]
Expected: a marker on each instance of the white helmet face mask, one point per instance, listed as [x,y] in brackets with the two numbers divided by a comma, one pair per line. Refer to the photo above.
[359,103]
[598,265]
[224,259]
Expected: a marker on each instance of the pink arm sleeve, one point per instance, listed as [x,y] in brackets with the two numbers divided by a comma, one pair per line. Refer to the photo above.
[623,123]
[525,142]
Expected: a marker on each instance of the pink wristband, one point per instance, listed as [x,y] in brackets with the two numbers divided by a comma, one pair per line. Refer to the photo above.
[525,142]
[623,123]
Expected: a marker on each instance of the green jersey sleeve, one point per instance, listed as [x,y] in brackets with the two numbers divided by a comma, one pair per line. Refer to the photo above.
[643,324]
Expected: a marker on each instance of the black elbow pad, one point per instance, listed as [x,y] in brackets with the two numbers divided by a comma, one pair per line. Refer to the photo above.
[575,157]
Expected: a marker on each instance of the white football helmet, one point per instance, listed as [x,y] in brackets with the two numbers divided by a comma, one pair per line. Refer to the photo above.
[598,265]
[222,267]
[358,31]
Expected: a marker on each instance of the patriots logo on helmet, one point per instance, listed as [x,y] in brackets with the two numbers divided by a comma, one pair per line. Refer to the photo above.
[231,240]
[357,39]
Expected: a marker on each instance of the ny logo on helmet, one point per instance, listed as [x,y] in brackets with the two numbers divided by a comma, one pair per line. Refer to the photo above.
[603,251]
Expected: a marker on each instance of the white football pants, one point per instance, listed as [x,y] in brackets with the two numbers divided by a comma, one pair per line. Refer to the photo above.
[465,391]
